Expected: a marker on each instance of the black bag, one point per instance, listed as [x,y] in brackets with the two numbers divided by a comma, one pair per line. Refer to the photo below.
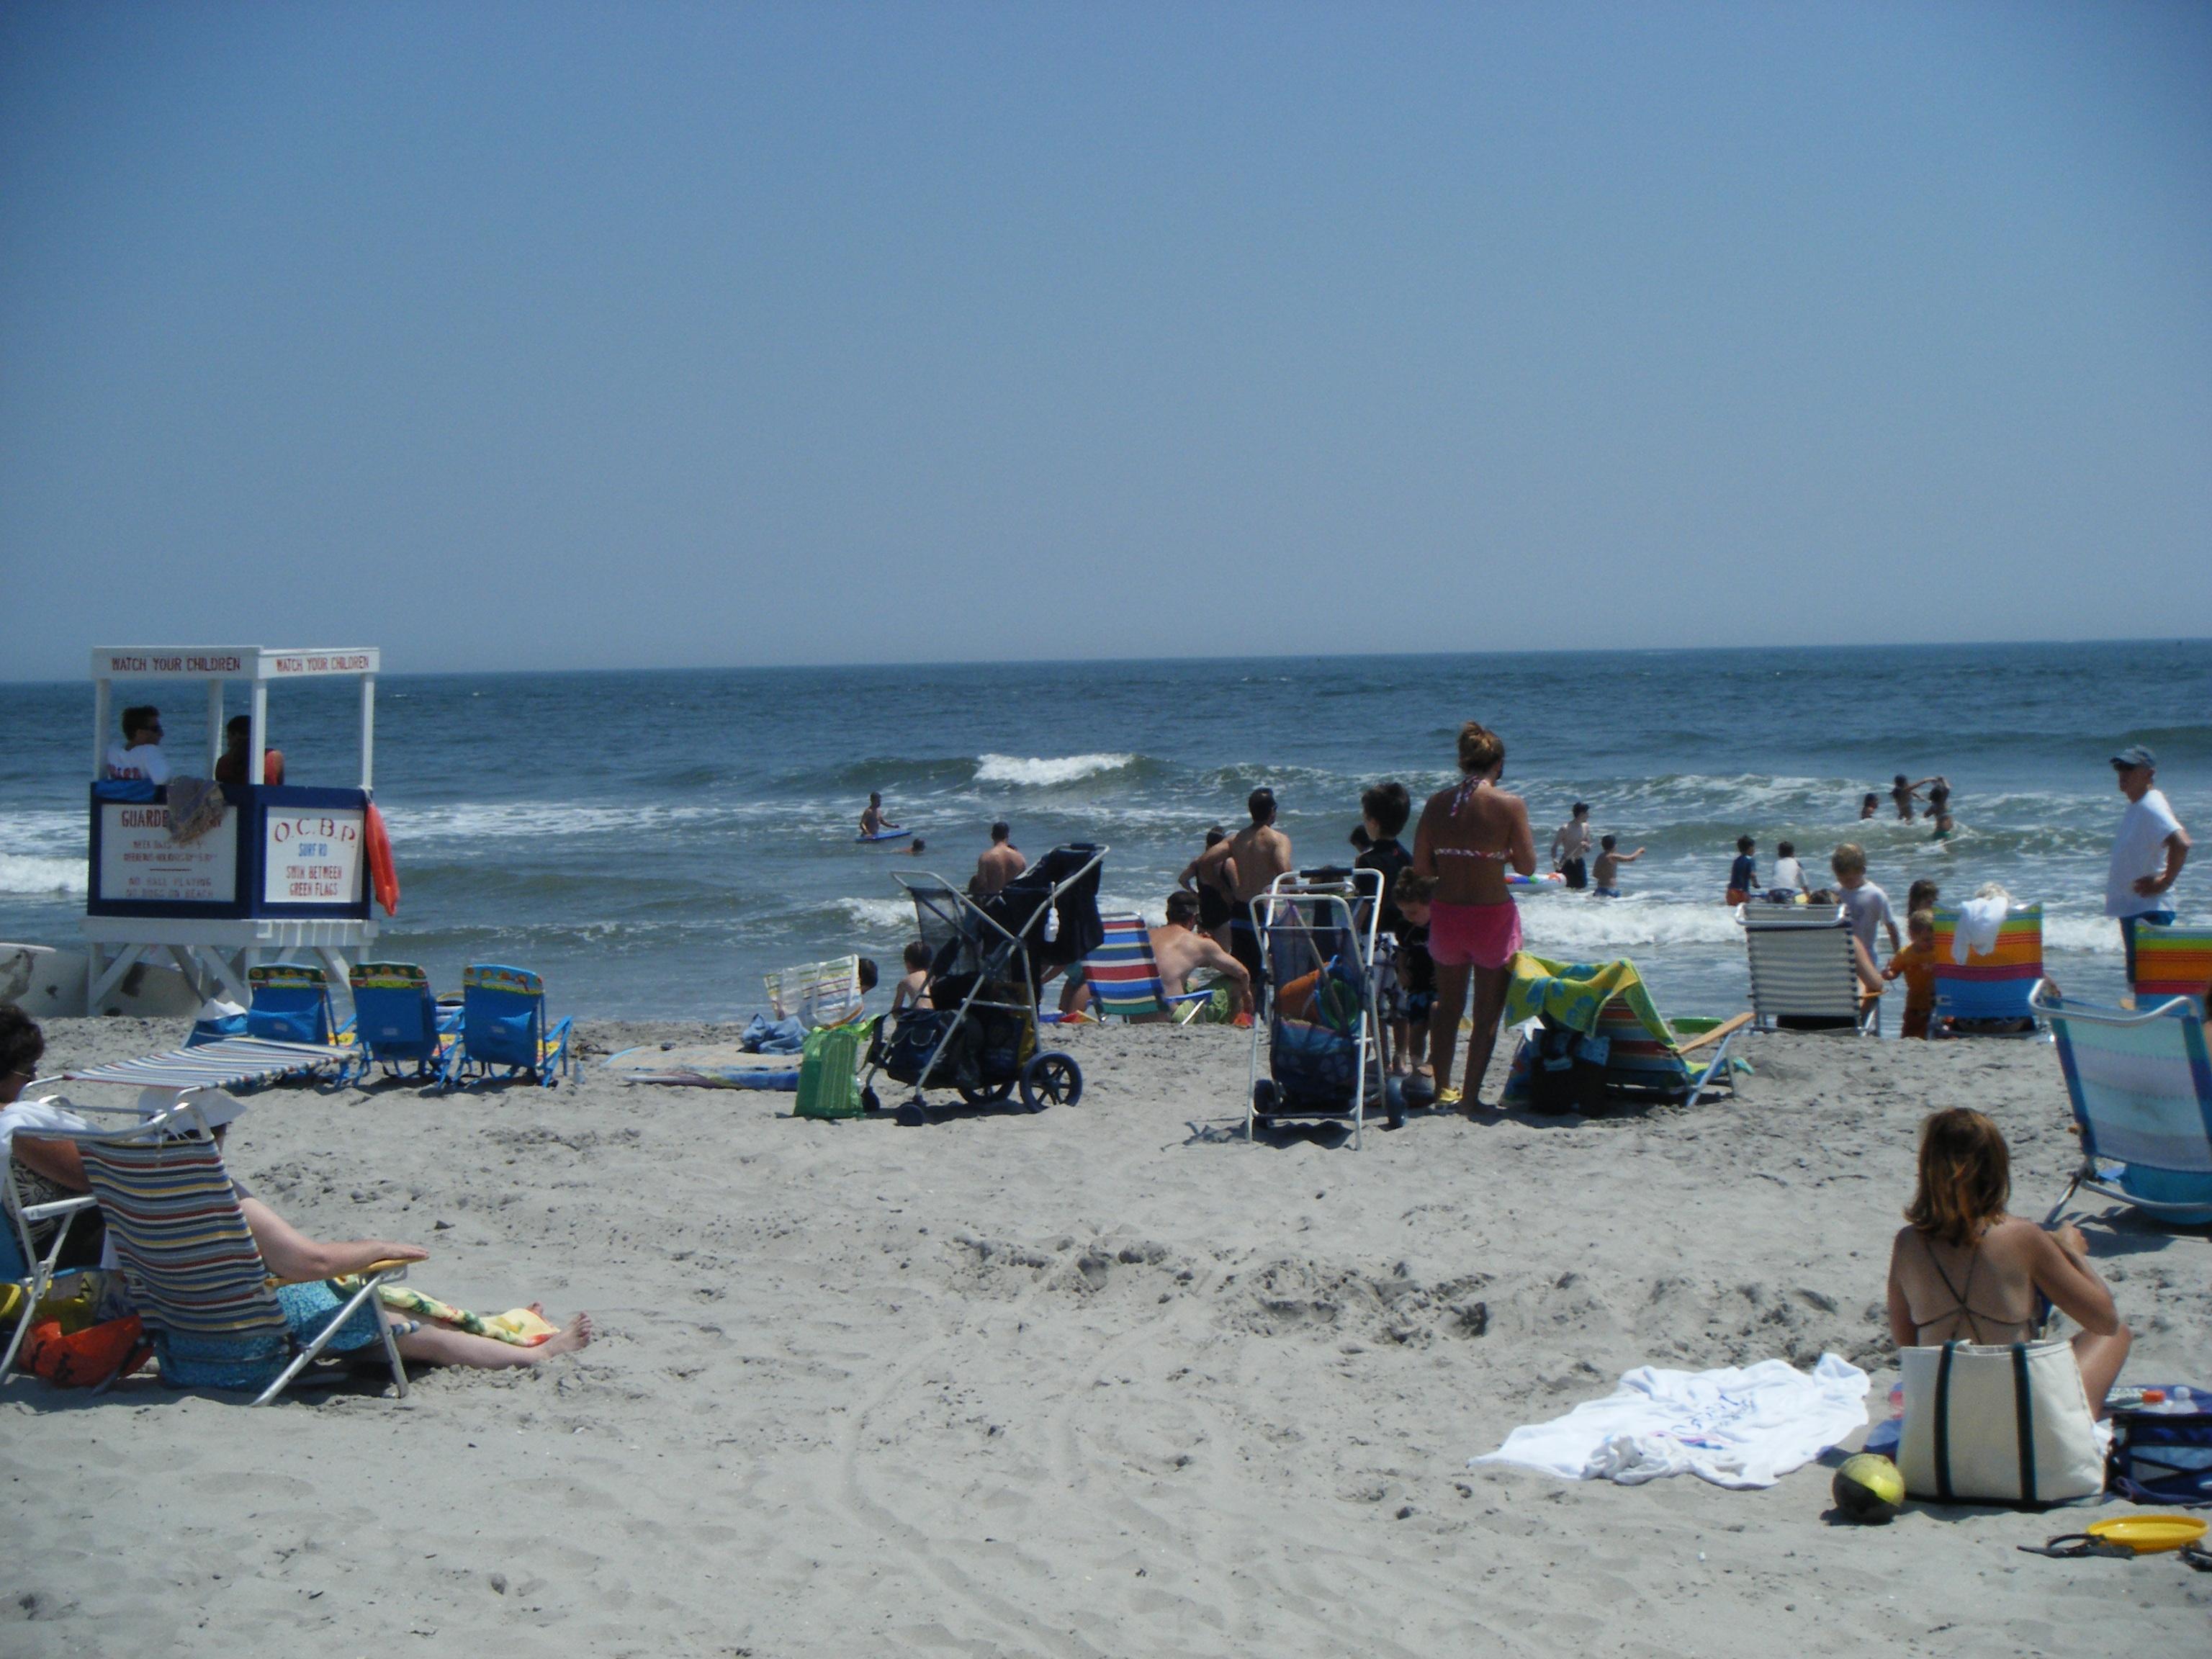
[1566,1071]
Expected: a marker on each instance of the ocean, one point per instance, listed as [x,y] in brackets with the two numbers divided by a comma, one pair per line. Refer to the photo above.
[652,842]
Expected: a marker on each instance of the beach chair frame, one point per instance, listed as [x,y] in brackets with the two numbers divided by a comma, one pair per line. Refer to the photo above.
[400,1025]
[1801,968]
[492,997]
[2143,1086]
[39,1272]
[1306,917]
[201,1211]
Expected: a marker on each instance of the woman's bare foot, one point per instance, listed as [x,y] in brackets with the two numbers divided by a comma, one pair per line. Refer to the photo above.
[576,1333]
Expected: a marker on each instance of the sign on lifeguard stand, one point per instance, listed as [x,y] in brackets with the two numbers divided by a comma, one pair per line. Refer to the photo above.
[285,871]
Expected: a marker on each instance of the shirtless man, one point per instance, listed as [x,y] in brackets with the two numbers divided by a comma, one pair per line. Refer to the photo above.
[1257,855]
[871,821]
[1180,950]
[1213,877]
[999,864]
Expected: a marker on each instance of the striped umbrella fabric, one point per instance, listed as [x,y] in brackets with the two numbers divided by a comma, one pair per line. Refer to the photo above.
[225,1064]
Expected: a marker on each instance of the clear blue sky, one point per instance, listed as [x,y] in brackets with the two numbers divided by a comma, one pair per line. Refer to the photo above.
[529,334]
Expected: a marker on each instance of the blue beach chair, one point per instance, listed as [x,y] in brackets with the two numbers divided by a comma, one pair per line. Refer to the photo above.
[2141,1092]
[291,1004]
[398,1024]
[504,1028]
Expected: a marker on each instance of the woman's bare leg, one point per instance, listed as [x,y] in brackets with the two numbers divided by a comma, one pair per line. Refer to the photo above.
[2100,1358]
[1490,987]
[440,1345]
[1443,1021]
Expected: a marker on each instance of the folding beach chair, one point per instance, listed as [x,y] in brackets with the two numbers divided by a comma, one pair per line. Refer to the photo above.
[1801,973]
[23,1265]
[1125,978]
[232,1063]
[291,1004]
[504,1028]
[2140,1086]
[1635,1051]
[1990,991]
[397,1024]
[818,994]
[197,1278]
[2172,962]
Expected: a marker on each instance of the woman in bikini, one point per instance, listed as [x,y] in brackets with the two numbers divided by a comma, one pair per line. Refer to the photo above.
[1466,839]
[1965,1271]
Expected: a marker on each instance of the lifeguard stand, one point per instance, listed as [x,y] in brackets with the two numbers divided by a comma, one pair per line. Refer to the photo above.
[285,871]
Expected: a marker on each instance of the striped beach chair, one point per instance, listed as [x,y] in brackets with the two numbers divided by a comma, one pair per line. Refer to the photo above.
[1124,978]
[196,1276]
[1645,1055]
[1802,972]
[2172,962]
[816,994]
[232,1063]
[504,1031]
[1989,990]
[2140,1086]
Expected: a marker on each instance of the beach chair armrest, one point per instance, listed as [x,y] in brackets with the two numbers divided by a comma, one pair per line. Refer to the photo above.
[1727,1027]
[58,1206]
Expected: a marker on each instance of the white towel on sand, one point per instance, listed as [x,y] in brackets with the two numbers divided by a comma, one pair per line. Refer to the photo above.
[1979,921]
[1739,1426]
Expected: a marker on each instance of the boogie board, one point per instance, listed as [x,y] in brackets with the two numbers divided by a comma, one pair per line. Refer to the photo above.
[894,832]
[1551,883]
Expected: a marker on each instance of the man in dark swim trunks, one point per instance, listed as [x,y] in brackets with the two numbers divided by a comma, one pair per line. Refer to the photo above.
[1258,852]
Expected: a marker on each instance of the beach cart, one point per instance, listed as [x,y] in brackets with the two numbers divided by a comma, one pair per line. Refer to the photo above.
[987,958]
[1321,1046]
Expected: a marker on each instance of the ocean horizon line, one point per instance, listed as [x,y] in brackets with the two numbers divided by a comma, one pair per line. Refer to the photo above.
[1074,659]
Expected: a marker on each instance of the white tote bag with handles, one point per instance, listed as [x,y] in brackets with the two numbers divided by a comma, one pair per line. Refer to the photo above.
[1998,1424]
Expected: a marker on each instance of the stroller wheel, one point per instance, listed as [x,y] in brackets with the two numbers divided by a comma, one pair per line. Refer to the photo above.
[870,1100]
[990,1095]
[1051,1080]
[1264,1096]
[1393,1101]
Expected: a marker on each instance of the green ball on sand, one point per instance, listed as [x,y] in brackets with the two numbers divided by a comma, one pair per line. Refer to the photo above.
[1869,1489]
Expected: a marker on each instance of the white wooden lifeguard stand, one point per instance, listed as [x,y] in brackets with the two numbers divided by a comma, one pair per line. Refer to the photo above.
[286,872]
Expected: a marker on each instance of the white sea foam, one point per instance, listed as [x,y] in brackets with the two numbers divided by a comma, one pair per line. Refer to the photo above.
[1563,924]
[1036,771]
[879,915]
[24,873]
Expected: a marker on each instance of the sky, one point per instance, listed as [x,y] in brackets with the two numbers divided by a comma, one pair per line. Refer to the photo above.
[554,335]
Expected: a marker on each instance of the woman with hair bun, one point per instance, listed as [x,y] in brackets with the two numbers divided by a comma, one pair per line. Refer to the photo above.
[1964,1271]
[1466,839]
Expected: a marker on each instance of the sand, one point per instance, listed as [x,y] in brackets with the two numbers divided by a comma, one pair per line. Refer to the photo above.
[1107,1380]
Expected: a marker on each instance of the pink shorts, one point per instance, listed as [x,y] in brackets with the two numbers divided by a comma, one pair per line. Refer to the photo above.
[1473,935]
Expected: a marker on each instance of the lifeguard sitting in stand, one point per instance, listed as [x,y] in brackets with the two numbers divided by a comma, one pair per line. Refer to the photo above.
[230,765]
[139,756]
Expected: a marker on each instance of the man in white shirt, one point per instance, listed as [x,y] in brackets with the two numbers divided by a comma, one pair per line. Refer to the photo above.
[2148,851]
[139,755]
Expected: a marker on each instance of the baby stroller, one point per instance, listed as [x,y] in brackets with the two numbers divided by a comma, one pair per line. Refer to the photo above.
[986,959]
[1323,1030]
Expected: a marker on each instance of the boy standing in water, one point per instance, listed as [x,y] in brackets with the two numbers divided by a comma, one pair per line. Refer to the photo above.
[1609,861]
[1743,874]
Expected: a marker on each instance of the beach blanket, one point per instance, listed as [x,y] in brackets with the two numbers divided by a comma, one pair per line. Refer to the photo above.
[196,806]
[723,1064]
[1739,1427]
[1574,994]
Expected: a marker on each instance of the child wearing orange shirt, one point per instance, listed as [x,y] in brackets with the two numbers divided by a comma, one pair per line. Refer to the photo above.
[1916,962]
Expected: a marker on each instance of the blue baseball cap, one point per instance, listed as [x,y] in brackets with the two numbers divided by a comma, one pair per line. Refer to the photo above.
[2134,755]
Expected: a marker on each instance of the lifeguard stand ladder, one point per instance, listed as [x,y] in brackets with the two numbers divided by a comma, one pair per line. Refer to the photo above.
[287,870]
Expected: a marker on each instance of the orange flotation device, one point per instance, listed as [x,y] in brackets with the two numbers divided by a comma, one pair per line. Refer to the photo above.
[383,877]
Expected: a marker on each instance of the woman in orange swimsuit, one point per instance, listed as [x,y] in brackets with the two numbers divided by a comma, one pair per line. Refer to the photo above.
[1466,839]
[1964,1271]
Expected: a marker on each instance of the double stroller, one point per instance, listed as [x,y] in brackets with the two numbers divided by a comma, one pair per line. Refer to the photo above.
[1323,1030]
[987,958]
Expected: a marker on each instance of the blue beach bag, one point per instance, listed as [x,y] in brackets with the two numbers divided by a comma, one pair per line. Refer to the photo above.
[2163,1448]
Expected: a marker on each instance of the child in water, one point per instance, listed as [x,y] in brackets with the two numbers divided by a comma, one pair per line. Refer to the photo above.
[1609,861]
[1916,965]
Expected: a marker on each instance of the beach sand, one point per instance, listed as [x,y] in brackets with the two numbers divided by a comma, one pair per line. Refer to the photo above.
[1107,1380]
